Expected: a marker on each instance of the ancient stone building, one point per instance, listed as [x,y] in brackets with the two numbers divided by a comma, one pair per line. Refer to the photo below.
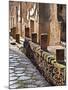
[43,27]
[40,18]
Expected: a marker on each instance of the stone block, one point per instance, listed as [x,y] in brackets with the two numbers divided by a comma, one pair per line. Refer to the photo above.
[26,31]
[44,41]
[60,55]
[13,32]
[18,38]
[34,37]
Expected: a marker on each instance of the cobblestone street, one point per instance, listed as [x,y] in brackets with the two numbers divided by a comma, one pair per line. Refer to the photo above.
[22,73]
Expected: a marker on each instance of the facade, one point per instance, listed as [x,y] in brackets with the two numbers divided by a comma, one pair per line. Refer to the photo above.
[31,15]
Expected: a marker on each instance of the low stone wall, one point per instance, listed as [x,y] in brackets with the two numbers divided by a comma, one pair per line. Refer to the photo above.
[54,72]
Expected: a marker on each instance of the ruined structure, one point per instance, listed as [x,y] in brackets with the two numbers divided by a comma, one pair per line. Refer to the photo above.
[31,15]
[43,26]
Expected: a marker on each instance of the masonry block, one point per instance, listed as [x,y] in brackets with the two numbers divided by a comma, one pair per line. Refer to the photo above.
[34,37]
[44,41]
[13,32]
[26,31]
[18,38]
[60,55]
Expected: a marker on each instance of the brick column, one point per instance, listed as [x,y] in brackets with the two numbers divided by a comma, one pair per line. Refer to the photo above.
[44,41]
[34,37]
[18,38]
[13,32]
[60,55]
[27,32]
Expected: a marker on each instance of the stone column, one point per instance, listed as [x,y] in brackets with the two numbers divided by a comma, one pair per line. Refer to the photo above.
[54,36]
[17,19]
[44,16]
[44,41]
[21,18]
[34,37]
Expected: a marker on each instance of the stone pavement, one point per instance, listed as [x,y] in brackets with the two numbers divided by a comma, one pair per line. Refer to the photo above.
[22,73]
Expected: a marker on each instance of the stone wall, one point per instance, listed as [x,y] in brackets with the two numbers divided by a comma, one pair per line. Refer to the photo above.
[54,72]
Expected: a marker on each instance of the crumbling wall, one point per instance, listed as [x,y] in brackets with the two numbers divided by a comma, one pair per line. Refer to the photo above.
[54,72]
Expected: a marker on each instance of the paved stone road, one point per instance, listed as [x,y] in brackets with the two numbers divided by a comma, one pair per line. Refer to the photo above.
[22,73]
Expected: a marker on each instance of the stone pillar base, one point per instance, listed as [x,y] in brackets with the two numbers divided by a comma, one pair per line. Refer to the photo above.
[13,32]
[27,32]
[44,41]
[34,37]
[18,38]
[60,55]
